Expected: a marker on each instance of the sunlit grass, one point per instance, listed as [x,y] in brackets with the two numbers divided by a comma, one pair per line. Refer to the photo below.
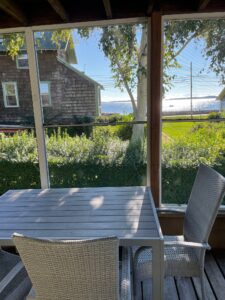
[177,129]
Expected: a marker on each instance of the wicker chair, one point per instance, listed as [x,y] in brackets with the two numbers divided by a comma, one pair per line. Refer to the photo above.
[184,255]
[14,281]
[81,270]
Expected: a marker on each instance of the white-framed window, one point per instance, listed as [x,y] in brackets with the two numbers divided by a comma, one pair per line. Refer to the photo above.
[10,94]
[22,61]
[45,89]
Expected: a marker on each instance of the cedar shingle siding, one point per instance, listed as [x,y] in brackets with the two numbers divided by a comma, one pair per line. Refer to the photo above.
[71,94]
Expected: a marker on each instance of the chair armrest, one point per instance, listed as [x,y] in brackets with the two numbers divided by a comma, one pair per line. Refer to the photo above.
[125,274]
[187,244]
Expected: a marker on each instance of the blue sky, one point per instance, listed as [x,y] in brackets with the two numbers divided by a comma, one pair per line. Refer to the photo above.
[92,61]
[204,81]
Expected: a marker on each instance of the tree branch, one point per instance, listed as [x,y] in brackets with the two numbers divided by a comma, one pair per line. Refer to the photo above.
[184,45]
[134,106]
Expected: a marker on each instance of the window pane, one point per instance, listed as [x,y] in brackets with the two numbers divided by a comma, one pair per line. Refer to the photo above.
[22,61]
[10,89]
[193,115]
[10,94]
[11,100]
[45,94]
[96,124]
[19,167]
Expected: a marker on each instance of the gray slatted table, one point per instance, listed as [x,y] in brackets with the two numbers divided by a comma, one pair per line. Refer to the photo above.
[82,213]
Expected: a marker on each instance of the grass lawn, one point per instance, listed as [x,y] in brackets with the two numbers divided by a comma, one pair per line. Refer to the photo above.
[177,129]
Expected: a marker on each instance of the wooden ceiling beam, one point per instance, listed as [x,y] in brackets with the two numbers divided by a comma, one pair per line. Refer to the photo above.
[12,9]
[108,8]
[59,9]
[150,7]
[203,4]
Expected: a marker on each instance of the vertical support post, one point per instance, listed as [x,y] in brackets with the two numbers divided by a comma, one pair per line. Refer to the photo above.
[155,107]
[148,100]
[36,99]
[191,98]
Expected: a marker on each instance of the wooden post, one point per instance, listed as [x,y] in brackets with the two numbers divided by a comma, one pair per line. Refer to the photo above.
[155,53]
[38,115]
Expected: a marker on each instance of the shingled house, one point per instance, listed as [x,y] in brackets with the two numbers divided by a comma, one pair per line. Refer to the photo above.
[66,93]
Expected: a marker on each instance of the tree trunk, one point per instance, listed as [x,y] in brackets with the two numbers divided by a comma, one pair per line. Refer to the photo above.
[140,114]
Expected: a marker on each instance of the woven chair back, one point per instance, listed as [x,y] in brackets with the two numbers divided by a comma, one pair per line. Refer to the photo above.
[69,270]
[205,199]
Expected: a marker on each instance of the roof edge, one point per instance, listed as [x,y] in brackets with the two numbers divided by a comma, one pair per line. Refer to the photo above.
[79,72]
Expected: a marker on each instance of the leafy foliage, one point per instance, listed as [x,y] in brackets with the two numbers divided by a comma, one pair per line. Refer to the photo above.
[119,44]
[73,161]
[178,35]
[106,160]
[13,43]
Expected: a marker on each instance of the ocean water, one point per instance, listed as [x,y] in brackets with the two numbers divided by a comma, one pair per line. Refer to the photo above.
[200,105]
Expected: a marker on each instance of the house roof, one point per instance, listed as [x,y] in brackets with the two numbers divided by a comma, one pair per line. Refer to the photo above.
[79,73]
[17,13]
[44,42]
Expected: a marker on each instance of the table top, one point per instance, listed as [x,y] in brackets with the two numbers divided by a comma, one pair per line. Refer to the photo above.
[79,213]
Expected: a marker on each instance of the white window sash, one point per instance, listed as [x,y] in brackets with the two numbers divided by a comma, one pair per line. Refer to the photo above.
[49,94]
[18,65]
[4,85]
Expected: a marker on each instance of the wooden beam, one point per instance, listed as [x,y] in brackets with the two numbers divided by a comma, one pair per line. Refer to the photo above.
[12,9]
[108,8]
[155,53]
[203,4]
[150,7]
[59,9]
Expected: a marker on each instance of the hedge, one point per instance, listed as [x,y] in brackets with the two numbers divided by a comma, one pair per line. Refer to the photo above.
[106,160]
[24,175]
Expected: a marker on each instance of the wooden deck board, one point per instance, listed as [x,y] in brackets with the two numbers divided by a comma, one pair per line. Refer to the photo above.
[209,292]
[189,288]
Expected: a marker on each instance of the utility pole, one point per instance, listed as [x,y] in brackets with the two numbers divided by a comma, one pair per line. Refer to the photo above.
[191,89]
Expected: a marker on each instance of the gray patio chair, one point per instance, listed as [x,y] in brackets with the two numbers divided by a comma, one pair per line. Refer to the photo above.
[81,270]
[14,281]
[184,255]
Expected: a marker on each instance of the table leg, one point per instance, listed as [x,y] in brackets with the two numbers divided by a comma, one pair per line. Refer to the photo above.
[157,270]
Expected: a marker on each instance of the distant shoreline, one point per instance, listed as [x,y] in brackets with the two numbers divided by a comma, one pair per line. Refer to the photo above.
[167,99]
[200,105]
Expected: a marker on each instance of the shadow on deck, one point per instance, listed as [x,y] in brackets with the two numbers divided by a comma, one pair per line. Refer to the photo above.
[189,288]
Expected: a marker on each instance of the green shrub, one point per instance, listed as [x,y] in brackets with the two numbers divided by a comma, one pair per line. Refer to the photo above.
[74,130]
[124,131]
[214,115]
[106,160]
[18,175]
[181,158]
[78,161]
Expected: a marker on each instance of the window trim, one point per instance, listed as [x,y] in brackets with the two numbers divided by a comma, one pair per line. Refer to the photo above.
[49,93]
[17,61]
[5,94]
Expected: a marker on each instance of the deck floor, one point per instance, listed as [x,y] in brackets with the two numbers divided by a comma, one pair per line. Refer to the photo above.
[189,288]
